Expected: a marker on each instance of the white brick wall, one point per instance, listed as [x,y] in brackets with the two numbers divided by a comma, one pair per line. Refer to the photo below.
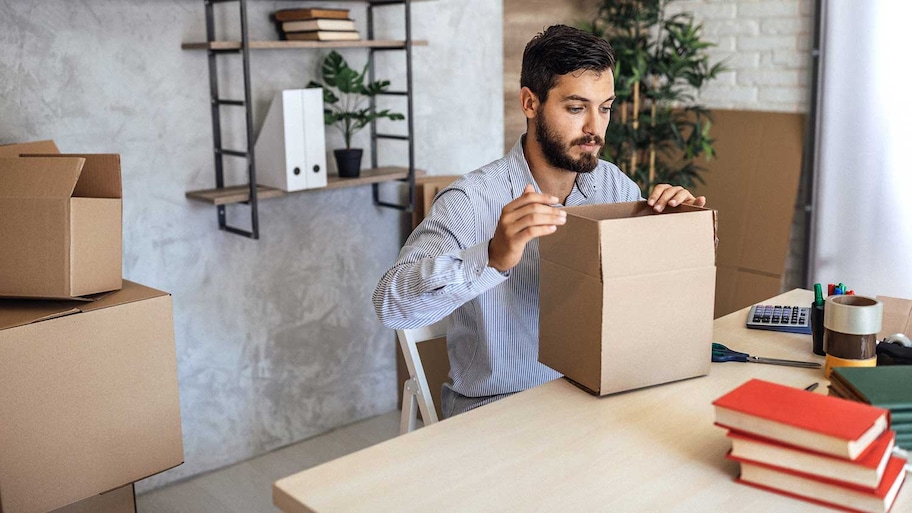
[766,46]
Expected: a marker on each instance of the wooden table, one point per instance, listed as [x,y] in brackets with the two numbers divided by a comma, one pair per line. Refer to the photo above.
[557,448]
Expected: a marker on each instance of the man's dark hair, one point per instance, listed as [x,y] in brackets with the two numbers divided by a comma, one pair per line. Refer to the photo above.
[560,50]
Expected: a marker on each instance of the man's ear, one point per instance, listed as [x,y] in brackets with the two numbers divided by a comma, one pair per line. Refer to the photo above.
[529,103]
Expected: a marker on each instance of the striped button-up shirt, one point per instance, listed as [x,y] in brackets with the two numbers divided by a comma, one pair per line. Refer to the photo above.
[492,339]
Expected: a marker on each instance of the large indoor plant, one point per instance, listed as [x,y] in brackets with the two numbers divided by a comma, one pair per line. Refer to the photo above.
[347,107]
[657,130]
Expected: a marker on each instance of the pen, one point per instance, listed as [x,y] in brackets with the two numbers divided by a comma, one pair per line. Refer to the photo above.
[818,294]
[811,387]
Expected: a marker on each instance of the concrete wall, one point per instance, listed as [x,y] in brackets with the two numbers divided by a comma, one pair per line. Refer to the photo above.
[276,338]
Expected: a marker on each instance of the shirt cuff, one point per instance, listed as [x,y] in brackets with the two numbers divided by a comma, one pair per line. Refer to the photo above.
[478,272]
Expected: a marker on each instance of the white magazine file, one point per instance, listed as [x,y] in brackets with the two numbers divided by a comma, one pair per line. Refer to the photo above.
[291,147]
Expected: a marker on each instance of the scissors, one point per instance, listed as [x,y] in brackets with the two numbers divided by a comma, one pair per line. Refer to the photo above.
[721,353]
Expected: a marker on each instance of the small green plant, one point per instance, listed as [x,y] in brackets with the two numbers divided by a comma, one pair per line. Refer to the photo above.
[657,131]
[345,94]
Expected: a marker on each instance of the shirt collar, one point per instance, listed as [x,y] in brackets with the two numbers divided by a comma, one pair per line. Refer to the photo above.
[521,175]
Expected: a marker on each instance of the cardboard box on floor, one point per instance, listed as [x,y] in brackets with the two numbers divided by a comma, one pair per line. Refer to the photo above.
[121,500]
[426,189]
[88,396]
[62,226]
[753,184]
[433,353]
[618,280]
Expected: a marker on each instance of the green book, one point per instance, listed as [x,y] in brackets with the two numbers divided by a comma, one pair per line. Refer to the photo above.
[905,428]
[901,416]
[887,386]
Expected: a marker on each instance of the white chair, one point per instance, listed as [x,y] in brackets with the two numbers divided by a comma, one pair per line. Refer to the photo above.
[416,394]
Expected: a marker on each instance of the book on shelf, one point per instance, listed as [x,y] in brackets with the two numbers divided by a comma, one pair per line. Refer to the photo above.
[886,386]
[865,471]
[323,35]
[309,13]
[318,24]
[793,416]
[824,491]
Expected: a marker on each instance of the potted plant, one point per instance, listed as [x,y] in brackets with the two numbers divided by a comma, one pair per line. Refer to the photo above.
[344,96]
[657,130]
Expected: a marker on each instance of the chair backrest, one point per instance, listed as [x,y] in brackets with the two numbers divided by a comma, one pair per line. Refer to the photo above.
[415,390]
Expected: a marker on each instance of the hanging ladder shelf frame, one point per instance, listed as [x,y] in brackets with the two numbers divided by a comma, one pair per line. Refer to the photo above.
[250,193]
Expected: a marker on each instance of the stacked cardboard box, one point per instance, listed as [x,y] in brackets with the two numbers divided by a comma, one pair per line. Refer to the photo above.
[88,369]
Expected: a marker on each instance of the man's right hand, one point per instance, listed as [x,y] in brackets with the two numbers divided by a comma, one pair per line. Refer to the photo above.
[523,219]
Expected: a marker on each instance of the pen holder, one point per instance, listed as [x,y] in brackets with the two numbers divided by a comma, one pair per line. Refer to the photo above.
[850,327]
[817,328]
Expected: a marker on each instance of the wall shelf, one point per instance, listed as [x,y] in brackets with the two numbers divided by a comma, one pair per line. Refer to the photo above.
[278,45]
[241,193]
[250,193]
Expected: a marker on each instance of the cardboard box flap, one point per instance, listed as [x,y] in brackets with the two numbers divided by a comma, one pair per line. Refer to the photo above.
[626,234]
[574,246]
[16,149]
[19,312]
[100,176]
[39,177]
[130,292]
[628,246]
[15,312]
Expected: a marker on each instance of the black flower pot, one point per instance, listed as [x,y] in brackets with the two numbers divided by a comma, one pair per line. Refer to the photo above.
[348,161]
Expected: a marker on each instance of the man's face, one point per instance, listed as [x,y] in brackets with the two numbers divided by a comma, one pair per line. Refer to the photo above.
[570,125]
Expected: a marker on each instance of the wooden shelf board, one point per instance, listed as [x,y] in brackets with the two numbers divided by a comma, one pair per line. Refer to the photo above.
[234,194]
[267,45]
[241,193]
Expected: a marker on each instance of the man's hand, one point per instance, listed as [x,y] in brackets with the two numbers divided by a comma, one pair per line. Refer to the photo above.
[664,194]
[523,219]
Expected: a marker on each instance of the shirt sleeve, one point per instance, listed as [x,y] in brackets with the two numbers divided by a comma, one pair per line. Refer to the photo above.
[442,265]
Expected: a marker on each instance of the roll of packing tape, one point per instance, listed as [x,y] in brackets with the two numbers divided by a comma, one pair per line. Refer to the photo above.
[854,315]
[851,324]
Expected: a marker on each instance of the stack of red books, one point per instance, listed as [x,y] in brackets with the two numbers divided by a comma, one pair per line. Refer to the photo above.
[813,447]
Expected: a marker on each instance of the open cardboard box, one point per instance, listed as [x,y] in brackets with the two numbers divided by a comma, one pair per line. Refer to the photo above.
[62,223]
[619,280]
[88,396]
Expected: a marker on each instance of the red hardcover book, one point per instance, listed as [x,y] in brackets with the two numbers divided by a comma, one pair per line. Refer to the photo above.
[866,471]
[824,491]
[310,13]
[796,417]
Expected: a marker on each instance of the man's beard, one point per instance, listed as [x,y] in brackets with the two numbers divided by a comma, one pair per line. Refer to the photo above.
[559,156]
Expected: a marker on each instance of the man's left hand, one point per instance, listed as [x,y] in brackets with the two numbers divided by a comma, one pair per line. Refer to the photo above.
[672,195]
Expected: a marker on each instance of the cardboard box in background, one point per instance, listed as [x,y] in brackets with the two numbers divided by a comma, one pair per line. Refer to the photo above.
[62,225]
[433,353]
[426,189]
[753,184]
[619,279]
[897,316]
[17,149]
[88,396]
[121,500]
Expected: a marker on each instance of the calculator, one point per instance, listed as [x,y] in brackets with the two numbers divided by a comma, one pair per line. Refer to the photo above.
[791,319]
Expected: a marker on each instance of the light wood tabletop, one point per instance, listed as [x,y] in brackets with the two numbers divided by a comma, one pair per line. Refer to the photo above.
[557,448]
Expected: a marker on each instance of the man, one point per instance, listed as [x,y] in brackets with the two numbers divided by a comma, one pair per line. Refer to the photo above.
[475,257]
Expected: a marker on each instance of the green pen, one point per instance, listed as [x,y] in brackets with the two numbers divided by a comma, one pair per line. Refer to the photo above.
[818,294]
